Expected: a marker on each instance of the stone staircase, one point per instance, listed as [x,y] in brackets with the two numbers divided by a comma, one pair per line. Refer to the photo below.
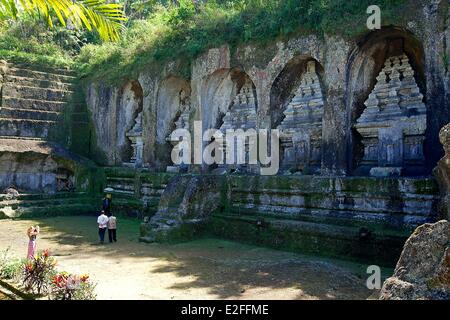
[35,105]
[48,205]
[33,101]
[362,218]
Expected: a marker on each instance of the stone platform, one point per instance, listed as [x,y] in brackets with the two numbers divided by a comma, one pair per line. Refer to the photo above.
[32,205]
[136,193]
[362,218]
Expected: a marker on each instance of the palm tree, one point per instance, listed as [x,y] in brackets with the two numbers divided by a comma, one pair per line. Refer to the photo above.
[106,18]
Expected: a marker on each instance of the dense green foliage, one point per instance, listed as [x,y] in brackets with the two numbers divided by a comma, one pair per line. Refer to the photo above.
[10,267]
[159,31]
[50,33]
[29,40]
[185,30]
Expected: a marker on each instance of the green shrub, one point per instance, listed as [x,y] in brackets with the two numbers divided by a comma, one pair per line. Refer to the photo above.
[183,32]
[66,286]
[31,41]
[38,273]
[10,268]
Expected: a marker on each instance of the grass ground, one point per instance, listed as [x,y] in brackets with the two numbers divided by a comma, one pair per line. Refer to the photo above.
[201,269]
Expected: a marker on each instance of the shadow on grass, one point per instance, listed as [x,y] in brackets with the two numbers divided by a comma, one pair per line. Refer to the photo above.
[224,268]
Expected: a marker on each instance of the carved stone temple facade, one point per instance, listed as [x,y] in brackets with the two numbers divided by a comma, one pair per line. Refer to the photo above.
[241,115]
[301,129]
[394,121]
[366,106]
[137,143]
[182,122]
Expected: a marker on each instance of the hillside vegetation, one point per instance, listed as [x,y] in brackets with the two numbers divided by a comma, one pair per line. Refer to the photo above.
[183,32]
[161,31]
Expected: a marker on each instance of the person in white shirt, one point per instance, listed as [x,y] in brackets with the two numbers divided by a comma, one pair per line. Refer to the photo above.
[112,227]
[102,221]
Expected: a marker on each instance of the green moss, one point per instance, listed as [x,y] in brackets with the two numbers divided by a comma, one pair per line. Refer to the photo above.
[186,232]
[132,204]
[348,246]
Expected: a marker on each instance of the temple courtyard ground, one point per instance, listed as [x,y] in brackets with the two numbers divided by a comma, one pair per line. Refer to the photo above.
[201,269]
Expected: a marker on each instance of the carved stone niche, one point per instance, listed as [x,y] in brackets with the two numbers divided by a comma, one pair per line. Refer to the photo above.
[137,143]
[301,128]
[393,123]
[181,122]
[241,115]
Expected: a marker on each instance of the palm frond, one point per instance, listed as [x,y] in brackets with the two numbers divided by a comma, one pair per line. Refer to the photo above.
[106,18]
[8,8]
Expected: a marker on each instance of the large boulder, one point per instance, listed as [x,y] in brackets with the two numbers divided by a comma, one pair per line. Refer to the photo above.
[423,270]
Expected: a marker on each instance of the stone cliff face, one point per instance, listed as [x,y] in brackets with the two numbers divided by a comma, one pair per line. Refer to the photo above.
[34,104]
[185,206]
[346,69]
[367,106]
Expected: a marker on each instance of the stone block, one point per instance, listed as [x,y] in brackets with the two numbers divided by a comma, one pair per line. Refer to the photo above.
[386,172]
[173,169]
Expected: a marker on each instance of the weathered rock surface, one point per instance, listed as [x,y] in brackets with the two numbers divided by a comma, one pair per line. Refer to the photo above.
[347,70]
[442,172]
[185,204]
[39,166]
[423,270]
[11,193]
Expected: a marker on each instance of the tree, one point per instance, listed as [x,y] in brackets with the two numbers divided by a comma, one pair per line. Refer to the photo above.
[106,18]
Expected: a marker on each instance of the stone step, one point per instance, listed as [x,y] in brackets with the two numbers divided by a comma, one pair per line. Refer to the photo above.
[29,114]
[19,138]
[46,196]
[25,127]
[25,92]
[415,204]
[15,204]
[152,201]
[343,218]
[380,247]
[31,82]
[41,75]
[63,71]
[49,211]
[44,105]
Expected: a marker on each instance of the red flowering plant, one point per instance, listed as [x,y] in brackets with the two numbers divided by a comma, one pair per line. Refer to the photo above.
[66,286]
[37,272]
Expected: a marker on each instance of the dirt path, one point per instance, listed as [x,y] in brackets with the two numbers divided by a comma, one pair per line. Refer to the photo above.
[202,269]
